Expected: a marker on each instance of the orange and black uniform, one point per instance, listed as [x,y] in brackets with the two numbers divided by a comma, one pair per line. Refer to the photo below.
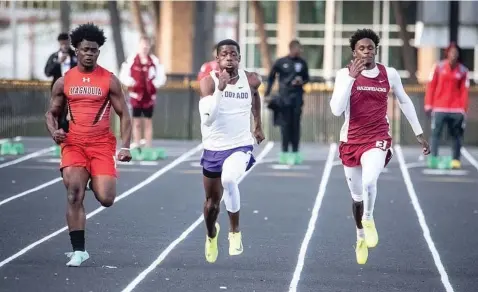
[447,99]
[89,142]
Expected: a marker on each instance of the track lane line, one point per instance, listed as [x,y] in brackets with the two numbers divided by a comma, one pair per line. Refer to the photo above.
[469,157]
[29,191]
[27,157]
[127,193]
[421,219]
[267,148]
[329,163]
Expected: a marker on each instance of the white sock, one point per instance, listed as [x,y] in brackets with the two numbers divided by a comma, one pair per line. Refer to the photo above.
[360,233]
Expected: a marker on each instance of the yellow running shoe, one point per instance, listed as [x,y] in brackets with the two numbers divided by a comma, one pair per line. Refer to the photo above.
[235,243]
[361,251]
[455,164]
[371,235]
[210,249]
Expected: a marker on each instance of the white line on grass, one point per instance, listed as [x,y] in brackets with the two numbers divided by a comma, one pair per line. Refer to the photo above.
[421,219]
[142,184]
[469,157]
[26,157]
[313,219]
[37,188]
[164,254]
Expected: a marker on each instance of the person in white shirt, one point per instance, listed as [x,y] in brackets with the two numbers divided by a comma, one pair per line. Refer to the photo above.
[228,97]
[143,75]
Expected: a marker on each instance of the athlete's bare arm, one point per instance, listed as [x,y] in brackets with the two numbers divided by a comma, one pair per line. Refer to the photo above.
[254,83]
[119,104]
[57,104]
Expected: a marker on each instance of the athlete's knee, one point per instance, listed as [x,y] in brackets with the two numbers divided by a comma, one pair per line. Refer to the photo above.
[370,184]
[212,206]
[75,193]
[107,201]
[228,180]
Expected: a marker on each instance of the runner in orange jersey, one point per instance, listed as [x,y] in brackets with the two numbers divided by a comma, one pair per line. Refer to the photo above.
[88,149]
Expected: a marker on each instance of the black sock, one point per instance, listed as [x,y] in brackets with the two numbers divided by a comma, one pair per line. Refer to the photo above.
[77,239]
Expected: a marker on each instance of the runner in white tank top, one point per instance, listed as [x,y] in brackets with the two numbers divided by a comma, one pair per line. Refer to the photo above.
[227,99]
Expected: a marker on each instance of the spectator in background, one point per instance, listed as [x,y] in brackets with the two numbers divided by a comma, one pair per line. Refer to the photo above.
[207,67]
[446,100]
[56,66]
[62,60]
[143,75]
[287,106]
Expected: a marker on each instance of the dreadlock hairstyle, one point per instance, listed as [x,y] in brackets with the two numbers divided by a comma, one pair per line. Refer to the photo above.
[364,34]
[88,32]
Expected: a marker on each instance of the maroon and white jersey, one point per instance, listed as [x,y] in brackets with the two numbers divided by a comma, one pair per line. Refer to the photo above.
[363,101]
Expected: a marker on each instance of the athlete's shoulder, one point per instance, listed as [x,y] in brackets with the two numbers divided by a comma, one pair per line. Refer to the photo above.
[255,80]
[103,71]
[342,73]
[391,71]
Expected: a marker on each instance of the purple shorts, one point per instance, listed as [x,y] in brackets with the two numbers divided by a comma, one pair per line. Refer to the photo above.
[212,161]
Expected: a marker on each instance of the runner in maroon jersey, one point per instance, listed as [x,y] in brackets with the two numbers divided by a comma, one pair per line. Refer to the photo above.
[361,94]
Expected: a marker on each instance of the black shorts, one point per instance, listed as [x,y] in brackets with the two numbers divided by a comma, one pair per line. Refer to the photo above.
[146,112]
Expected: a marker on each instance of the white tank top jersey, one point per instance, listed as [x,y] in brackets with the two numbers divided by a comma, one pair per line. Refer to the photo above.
[232,126]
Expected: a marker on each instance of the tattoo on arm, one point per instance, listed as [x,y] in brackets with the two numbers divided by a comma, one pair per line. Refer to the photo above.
[118,103]
[57,105]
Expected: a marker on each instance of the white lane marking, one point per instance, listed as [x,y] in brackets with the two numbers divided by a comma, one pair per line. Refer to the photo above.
[454,172]
[415,164]
[142,184]
[268,147]
[329,163]
[26,157]
[37,188]
[469,157]
[421,219]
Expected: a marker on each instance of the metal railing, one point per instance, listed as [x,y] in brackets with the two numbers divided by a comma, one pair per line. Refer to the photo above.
[23,105]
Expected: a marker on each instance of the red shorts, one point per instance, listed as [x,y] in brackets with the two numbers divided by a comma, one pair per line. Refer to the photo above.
[350,154]
[97,157]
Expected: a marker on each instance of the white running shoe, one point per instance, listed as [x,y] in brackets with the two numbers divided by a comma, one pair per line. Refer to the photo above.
[77,258]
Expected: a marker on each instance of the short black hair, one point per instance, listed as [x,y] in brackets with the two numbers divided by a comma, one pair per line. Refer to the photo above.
[227,42]
[89,32]
[363,34]
[63,36]
[294,43]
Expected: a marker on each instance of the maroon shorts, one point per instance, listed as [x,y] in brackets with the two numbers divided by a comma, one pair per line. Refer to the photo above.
[350,154]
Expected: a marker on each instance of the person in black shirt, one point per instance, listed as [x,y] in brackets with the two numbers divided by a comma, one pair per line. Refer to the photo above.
[287,106]
[57,65]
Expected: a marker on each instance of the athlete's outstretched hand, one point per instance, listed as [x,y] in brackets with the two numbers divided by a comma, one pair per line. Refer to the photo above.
[224,78]
[424,143]
[59,136]
[124,155]
[358,65]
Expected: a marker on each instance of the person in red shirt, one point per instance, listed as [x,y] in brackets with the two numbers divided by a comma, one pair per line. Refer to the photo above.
[143,75]
[446,100]
[88,148]
[207,67]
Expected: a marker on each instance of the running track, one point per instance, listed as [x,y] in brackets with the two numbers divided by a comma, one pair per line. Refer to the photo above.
[298,233]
